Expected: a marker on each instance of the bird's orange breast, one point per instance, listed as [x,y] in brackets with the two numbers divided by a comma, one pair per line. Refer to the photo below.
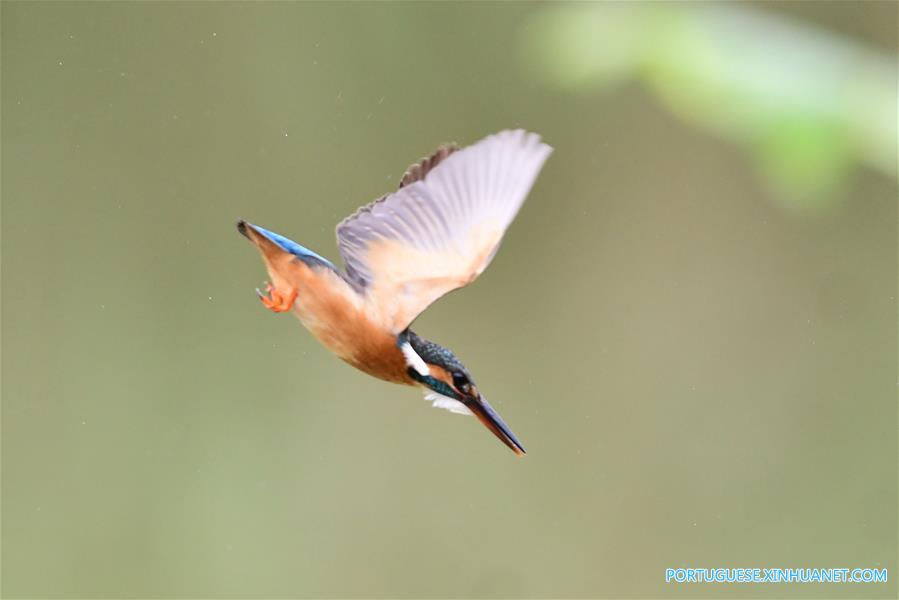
[339,317]
[335,314]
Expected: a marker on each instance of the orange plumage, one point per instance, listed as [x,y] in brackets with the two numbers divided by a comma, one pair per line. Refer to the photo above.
[333,312]
[437,233]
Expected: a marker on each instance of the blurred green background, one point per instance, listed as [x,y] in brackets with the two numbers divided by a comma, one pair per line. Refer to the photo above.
[691,325]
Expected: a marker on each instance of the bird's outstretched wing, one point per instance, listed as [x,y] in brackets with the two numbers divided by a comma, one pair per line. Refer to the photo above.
[441,229]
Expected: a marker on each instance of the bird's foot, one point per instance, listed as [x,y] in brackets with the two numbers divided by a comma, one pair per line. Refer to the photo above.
[274,300]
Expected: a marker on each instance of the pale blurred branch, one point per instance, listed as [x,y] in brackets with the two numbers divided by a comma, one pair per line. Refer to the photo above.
[807,103]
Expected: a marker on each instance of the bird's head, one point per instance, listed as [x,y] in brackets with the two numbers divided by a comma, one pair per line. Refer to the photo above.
[449,385]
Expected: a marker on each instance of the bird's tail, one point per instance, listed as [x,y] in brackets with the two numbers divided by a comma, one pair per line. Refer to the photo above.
[275,255]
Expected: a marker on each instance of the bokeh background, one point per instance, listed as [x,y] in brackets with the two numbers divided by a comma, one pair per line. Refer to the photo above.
[691,325]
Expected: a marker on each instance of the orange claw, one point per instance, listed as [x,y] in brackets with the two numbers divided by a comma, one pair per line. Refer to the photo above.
[274,300]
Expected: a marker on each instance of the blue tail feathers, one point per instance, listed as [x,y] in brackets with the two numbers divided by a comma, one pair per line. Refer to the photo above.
[301,252]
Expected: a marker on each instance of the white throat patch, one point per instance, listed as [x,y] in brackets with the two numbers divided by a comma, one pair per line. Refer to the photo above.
[414,360]
[450,404]
[438,400]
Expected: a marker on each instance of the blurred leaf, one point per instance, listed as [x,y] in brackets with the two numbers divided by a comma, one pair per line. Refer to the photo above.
[809,104]
[584,46]
[806,160]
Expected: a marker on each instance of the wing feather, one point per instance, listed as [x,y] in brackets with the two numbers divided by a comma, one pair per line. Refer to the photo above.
[443,226]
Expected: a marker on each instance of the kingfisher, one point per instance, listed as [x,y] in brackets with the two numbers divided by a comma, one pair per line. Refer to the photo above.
[436,233]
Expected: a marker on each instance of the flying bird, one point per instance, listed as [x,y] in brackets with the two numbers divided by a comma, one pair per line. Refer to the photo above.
[434,234]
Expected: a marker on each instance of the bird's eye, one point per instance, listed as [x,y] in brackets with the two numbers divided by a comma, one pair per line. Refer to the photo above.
[461,383]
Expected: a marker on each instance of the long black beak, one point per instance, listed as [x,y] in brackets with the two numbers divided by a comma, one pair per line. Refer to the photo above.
[486,415]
